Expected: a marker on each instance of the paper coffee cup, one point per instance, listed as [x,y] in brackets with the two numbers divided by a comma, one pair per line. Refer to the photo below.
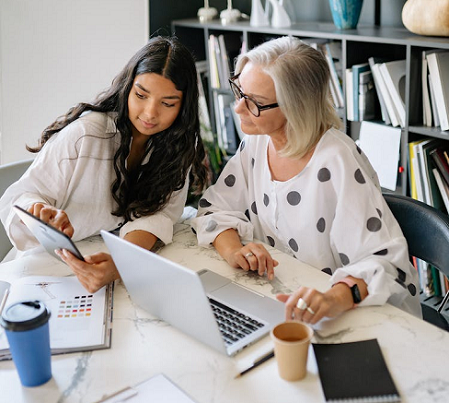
[27,330]
[291,348]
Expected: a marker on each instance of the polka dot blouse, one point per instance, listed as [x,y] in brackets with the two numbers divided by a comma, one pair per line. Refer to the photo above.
[331,216]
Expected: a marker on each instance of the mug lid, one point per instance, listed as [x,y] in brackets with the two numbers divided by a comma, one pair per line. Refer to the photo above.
[25,315]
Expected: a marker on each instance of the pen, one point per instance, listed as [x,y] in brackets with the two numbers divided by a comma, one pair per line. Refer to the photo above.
[256,363]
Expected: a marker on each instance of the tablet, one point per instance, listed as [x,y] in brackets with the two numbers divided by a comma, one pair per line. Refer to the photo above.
[49,237]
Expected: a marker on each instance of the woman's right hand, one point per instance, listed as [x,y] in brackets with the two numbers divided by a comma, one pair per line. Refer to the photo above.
[55,217]
[94,272]
[252,257]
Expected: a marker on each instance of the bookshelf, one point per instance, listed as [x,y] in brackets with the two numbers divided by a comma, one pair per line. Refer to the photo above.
[357,46]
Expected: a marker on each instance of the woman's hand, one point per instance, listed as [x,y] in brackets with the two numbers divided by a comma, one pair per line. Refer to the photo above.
[314,305]
[253,257]
[95,272]
[55,217]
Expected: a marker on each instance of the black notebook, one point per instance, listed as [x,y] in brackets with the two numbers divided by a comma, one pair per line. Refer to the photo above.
[354,372]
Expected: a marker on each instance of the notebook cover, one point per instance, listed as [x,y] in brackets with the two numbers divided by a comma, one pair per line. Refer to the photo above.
[354,372]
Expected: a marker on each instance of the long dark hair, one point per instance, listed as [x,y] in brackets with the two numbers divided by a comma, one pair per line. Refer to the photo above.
[173,151]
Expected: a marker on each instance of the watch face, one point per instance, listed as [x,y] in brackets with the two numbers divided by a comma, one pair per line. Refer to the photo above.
[356,294]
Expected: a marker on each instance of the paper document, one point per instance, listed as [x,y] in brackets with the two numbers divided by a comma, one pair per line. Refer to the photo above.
[156,389]
[381,145]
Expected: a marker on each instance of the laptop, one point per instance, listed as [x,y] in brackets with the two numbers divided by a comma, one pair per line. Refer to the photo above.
[48,236]
[210,308]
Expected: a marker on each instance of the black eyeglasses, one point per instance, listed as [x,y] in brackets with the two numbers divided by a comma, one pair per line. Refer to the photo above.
[251,104]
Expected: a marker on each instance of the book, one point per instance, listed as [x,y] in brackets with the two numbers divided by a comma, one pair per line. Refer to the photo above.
[80,321]
[158,388]
[393,74]
[355,372]
[213,62]
[225,63]
[443,187]
[357,69]
[429,184]
[436,119]
[367,94]
[334,75]
[426,103]
[379,85]
[419,177]
[392,113]
[438,64]
[412,169]
[441,163]
[349,96]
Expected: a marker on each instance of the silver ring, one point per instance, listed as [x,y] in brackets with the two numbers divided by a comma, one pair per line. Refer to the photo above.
[310,310]
[249,254]
[301,304]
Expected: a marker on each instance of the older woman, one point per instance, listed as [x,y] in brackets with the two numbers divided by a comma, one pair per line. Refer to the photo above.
[301,185]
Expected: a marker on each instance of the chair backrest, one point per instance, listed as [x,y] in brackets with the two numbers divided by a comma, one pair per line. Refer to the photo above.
[426,230]
[9,173]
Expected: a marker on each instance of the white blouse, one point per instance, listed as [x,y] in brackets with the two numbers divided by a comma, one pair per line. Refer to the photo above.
[332,216]
[74,172]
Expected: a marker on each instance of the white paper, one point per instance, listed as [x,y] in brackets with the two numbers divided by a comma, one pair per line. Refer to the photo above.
[156,389]
[381,145]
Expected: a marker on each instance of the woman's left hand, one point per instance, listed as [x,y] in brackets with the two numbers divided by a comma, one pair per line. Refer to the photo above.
[314,305]
[95,272]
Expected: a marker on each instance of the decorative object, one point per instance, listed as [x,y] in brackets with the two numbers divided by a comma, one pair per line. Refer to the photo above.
[280,17]
[289,8]
[425,17]
[207,13]
[230,14]
[346,13]
[258,15]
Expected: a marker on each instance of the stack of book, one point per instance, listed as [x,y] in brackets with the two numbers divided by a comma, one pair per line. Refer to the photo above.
[435,88]
[429,183]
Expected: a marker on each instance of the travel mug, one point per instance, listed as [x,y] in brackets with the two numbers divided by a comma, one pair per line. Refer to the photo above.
[27,330]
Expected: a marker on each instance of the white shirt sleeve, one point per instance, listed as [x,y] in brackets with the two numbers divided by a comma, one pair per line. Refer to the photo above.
[161,223]
[366,239]
[222,204]
[44,182]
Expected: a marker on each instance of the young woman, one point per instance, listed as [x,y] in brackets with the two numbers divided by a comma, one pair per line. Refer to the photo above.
[301,185]
[122,161]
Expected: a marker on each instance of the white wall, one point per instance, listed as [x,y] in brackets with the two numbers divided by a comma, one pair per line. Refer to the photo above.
[55,53]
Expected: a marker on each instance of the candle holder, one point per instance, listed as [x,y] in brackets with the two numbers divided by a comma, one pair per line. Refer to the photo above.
[207,13]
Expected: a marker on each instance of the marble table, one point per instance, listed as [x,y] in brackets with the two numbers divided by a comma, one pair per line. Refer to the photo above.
[142,345]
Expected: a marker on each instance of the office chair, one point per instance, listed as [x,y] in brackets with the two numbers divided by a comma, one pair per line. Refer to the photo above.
[9,173]
[426,230]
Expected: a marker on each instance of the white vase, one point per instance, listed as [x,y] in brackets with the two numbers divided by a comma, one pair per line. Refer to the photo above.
[289,8]
[258,16]
[280,17]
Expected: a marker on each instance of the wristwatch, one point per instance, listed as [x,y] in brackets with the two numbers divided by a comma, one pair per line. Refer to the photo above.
[356,297]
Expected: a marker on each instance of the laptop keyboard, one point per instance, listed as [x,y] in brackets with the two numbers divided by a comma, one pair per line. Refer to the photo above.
[233,325]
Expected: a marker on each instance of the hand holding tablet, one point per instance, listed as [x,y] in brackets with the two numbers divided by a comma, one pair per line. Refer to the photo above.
[48,236]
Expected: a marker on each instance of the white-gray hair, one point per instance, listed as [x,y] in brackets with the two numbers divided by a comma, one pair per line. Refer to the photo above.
[301,78]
